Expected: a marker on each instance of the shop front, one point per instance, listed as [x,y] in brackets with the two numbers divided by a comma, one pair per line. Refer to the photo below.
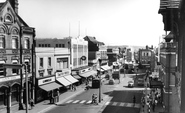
[107,71]
[46,88]
[9,92]
[65,79]
[87,74]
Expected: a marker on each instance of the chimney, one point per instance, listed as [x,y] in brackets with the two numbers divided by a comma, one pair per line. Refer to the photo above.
[14,4]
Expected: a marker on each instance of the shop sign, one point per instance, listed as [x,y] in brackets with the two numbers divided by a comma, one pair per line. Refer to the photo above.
[46,80]
[63,73]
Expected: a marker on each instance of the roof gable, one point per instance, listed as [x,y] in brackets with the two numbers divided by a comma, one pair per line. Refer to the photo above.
[6,9]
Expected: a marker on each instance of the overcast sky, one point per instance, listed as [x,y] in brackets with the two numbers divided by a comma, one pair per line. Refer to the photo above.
[114,22]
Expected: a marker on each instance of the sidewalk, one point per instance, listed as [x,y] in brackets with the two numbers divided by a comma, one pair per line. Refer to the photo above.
[45,105]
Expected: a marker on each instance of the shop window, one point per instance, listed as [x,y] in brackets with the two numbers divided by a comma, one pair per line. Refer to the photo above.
[3,97]
[15,94]
[2,41]
[14,42]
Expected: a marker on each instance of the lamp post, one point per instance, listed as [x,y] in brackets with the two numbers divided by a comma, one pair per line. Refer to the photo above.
[100,80]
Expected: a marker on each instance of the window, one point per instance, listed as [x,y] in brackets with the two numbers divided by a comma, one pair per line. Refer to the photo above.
[63,45]
[48,45]
[14,43]
[41,62]
[49,61]
[15,71]
[49,72]
[2,42]
[39,45]
[27,62]
[45,45]
[42,45]
[1,68]
[26,43]
[60,45]
[56,45]
[62,63]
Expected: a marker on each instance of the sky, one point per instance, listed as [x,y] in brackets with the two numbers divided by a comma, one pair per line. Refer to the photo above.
[114,22]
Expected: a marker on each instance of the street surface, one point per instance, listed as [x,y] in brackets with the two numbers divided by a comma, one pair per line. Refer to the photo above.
[117,98]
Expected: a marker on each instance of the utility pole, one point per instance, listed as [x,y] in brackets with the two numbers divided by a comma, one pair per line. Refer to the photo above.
[100,80]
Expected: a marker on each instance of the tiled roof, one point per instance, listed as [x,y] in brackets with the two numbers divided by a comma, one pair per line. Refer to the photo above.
[169,4]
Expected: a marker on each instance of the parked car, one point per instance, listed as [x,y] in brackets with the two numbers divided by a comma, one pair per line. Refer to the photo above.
[130,84]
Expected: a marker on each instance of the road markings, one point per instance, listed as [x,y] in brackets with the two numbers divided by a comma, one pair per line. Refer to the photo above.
[69,101]
[114,103]
[130,104]
[120,104]
[89,102]
[76,101]
[82,101]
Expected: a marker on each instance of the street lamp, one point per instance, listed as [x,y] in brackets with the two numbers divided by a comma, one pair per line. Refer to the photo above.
[100,80]
[19,66]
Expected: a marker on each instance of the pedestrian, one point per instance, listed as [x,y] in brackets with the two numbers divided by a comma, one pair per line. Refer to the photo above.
[31,103]
[153,107]
[74,87]
[134,100]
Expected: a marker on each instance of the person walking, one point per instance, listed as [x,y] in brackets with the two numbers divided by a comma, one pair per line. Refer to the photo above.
[74,87]
[134,100]
[31,103]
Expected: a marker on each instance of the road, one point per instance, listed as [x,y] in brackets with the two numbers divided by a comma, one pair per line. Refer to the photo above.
[117,98]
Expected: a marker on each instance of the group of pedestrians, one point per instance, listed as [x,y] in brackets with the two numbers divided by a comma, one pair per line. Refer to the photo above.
[151,100]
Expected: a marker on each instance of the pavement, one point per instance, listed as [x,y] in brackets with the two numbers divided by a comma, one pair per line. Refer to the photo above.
[45,105]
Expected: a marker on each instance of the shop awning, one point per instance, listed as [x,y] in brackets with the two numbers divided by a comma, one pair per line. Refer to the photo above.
[77,76]
[50,86]
[105,67]
[70,78]
[64,81]
[89,73]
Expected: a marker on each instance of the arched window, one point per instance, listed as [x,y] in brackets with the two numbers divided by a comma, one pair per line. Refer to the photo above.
[14,42]
[8,18]
[2,38]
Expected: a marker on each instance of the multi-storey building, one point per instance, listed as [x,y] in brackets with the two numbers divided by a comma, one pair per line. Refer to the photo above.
[16,47]
[128,55]
[97,50]
[173,14]
[168,63]
[147,58]
[53,67]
